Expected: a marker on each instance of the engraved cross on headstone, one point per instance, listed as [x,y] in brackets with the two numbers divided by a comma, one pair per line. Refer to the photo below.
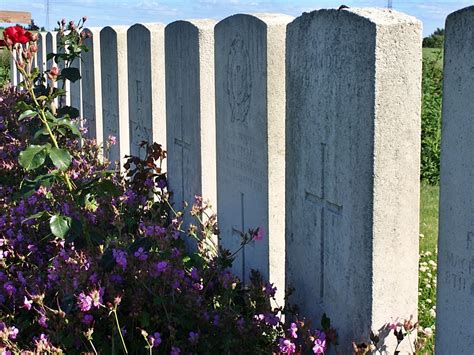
[236,230]
[325,206]
[183,145]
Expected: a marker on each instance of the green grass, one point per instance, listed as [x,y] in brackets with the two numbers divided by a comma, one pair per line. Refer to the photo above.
[434,54]
[427,271]
[428,217]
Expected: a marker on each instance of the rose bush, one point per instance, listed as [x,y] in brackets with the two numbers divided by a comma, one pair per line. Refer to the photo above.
[95,260]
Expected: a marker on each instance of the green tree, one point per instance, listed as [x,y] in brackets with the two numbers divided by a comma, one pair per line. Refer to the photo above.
[435,40]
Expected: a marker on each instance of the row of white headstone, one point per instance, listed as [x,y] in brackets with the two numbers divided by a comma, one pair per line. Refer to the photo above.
[308,128]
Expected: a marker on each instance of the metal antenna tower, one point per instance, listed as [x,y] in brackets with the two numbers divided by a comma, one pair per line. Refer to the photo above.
[389,4]
[47,15]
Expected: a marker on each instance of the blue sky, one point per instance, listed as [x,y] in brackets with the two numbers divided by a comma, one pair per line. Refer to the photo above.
[128,12]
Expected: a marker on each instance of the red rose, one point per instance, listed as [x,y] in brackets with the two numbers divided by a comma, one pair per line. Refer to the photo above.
[17,34]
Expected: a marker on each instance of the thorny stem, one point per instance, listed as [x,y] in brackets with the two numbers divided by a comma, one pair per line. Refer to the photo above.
[44,120]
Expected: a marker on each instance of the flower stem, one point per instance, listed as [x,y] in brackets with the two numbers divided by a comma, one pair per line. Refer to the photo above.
[114,311]
[44,120]
[93,347]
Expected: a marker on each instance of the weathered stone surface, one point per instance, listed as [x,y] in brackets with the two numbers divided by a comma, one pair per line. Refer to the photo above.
[92,86]
[250,124]
[51,47]
[455,294]
[13,70]
[113,42]
[146,85]
[41,54]
[190,101]
[352,168]
[65,100]
[75,89]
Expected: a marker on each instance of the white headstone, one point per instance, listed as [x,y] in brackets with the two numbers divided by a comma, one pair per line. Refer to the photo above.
[190,101]
[13,70]
[146,86]
[455,292]
[352,168]
[76,89]
[51,47]
[250,124]
[41,54]
[66,85]
[113,47]
[92,86]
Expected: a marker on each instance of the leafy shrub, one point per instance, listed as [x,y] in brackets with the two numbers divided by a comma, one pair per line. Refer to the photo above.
[431,119]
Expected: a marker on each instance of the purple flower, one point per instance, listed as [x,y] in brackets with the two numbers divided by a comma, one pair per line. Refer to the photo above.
[161,266]
[193,337]
[149,183]
[9,288]
[286,346]
[271,319]
[141,254]
[293,329]
[155,339]
[13,332]
[87,319]
[85,302]
[162,183]
[175,350]
[120,258]
[42,321]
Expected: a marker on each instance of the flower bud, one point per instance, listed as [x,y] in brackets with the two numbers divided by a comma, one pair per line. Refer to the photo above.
[33,48]
[33,37]
[84,18]
[54,71]
[63,22]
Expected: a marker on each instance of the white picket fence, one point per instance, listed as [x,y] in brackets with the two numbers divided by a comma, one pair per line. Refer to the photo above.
[308,128]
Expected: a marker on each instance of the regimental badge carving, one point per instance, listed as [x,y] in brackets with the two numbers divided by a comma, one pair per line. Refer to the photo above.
[239,80]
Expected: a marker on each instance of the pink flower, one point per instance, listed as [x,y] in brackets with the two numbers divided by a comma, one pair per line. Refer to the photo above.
[85,302]
[27,303]
[258,234]
[286,346]
[96,297]
[319,346]
[293,329]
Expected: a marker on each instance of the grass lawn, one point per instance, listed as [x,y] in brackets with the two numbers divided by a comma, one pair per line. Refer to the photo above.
[428,217]
[434,54]
[428,266]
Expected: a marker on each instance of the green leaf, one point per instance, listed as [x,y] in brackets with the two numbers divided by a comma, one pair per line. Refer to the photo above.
[27,114]
[41,132]
[60,158]
[60,225]
[22,106]
[32,157]
[69,110]
[72,74]
[50,56]
[72,127]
